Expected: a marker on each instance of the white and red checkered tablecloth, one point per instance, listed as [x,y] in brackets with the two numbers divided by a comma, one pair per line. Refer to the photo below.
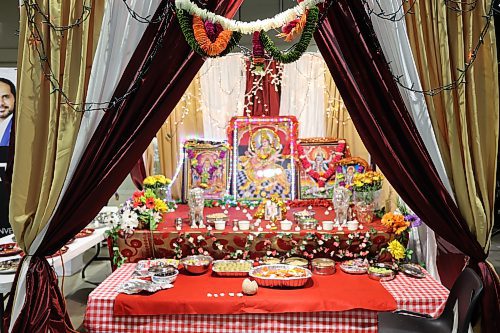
[420,295]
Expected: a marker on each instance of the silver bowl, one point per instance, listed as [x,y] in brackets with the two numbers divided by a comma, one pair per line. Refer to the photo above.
[387,274]
[308,224]
[323,266]
[303,214]
[162,278]
[198,264]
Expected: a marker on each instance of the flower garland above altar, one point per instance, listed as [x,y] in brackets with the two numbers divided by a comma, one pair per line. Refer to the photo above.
[275,22]
[212,35]
[321,177]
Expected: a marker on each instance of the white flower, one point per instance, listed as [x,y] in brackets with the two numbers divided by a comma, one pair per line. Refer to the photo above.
[320,242]
[190,239]
[200,237]
[129,220]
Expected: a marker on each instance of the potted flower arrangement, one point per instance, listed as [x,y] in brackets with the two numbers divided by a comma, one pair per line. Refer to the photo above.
[143,211]
[160,185]
[366,192]
[398,225]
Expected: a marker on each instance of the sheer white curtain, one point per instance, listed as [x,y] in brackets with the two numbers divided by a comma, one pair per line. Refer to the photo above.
[302,94]
[223,82]
[394,41]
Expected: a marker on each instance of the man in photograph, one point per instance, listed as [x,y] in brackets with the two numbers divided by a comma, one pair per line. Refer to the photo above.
[7,107]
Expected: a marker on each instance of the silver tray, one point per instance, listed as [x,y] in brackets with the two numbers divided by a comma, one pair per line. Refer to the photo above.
[413,270]
[280,282]
[361,269]
[233,273]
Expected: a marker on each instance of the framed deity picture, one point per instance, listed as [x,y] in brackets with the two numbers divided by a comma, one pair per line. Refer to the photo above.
[263,150]
[206,165]
[351,165]
[317,166]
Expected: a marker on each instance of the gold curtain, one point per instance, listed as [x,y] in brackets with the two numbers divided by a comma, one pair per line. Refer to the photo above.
[339,125]
[465,119]
[46,126]
[185,121]
[337,119]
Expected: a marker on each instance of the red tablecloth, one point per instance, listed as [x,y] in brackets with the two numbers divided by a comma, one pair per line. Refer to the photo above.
[338,292]
[167,242]
[422,295]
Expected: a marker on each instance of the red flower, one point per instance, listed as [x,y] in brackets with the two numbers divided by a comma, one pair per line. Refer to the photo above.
[150,202]
[138,194]
[136,203]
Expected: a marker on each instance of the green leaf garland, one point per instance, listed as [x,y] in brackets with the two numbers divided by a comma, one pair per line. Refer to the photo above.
[186,23]
[298,49]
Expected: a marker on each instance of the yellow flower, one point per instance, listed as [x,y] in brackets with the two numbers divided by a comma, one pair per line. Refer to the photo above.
[149,181]
[358,183]
[376,178]
[396,249]
[160,205]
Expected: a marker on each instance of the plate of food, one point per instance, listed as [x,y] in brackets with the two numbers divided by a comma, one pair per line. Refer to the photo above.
[270,261]
[197,264]
[60,252]
[280,275]
[144,265]
[85,232]
[232,268]
[413,270]
[9,249]
[354,266]
[381,272]
[9,266]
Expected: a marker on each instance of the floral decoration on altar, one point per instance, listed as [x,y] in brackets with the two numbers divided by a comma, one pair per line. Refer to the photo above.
[143,211]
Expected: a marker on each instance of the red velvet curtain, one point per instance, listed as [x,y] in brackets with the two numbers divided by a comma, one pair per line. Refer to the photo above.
[119,141]
[265,101]
[350,48]
[138,173]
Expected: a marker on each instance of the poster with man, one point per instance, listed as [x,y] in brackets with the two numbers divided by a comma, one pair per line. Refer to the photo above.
[7,108]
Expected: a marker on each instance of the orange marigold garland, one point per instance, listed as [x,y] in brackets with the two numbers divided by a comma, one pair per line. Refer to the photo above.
[293,29]
[212,49]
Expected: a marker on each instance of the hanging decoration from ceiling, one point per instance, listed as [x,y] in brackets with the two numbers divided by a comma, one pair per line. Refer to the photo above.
[212,35]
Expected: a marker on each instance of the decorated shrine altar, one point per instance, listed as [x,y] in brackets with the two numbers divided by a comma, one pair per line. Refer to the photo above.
[168,242]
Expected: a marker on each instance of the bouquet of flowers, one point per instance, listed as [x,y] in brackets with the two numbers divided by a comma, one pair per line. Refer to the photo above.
[156,181]
[143,211]
[395,223]
[366,185]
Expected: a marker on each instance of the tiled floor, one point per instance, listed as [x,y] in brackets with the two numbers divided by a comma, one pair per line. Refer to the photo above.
[77,290]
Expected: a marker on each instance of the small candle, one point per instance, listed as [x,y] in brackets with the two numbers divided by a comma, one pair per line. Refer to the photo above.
[239,294]
[178,228]
[297,228]
[231,294]
[215,295]
[244,211]
[256,224]
[339,228]
[327,213]
[209,295]
[237,208]
[268,226]
[235,228]
[288,207]
[319,228]
[309,207]
[360,226]
[260,229]
[226,212]
[330,208]
[222,294]
[209,228]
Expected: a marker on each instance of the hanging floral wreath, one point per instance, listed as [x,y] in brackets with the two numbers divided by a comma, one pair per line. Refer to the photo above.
[298,49]
[321,177]
[195,32]
[273,23]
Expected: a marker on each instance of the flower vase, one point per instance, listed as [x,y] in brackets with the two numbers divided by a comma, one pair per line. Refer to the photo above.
[364,212]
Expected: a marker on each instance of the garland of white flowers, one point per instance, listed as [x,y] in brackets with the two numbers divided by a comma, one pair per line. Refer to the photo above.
[275,22]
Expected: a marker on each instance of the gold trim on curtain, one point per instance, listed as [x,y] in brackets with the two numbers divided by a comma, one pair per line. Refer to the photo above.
[46,127]
[185,121]
[465,119]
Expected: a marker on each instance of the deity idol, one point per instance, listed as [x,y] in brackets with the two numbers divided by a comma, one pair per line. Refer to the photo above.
[320,163]
[260,164]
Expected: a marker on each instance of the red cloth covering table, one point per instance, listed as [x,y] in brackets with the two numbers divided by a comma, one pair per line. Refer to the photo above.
[167,242]
[421,295]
